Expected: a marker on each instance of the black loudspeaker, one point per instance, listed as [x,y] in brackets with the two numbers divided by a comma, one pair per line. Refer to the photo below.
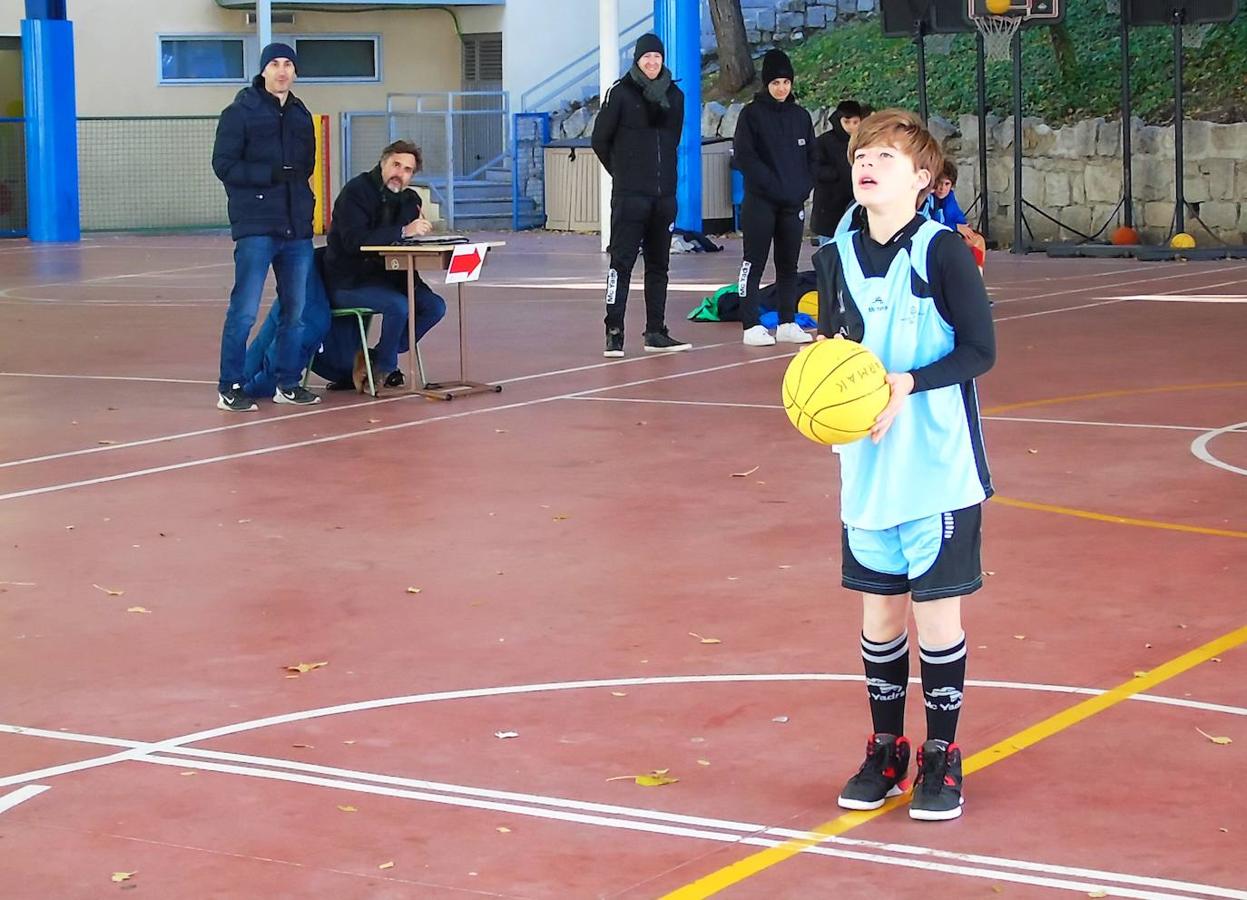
[1194,12]
[902,17]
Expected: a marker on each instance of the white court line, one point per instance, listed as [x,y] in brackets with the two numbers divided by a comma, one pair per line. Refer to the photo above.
[21,795]
[1187,298]
[333,438]
[348,435]
[1199,447]
[1048,312]
[105,378]
[1109,287]
[125,445]
[174,744]
[474,797]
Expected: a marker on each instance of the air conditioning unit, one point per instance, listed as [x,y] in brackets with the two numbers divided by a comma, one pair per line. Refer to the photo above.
[279,18]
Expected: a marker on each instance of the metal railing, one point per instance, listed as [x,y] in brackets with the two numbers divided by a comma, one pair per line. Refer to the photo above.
[582,72]
[12,177]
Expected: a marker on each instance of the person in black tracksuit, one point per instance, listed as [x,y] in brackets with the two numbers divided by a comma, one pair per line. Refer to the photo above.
[635,137]
[833,173]
[774,149]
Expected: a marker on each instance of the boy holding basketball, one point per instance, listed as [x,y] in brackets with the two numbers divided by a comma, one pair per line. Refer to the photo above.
[908,289]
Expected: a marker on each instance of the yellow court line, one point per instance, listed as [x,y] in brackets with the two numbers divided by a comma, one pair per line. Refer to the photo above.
[758,862]
[1117,520]
[1102,395]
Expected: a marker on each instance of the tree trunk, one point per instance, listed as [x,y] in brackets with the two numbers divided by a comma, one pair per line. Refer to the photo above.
[735,63]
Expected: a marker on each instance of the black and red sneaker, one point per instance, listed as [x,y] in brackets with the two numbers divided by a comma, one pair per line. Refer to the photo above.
[937,789]
[881,774]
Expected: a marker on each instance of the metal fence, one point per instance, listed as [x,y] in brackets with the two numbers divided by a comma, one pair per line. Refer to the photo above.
[148,173]
[12,177]
[530,133]
[461,135]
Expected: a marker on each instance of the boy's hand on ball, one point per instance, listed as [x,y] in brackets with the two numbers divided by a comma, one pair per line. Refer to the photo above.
[902,385]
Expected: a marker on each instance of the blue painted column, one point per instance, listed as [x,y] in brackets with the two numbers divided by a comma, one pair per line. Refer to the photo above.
[678,24]
[51,122]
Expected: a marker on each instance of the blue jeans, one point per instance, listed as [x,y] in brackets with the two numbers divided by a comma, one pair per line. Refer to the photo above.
[291,261]
[260,369]
[392,304]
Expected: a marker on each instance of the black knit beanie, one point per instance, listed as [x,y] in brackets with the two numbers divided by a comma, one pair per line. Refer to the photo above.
[278,51]
[776,64]
[648,43]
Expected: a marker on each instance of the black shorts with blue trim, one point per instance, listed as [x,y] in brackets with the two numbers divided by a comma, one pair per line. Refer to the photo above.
[930,558]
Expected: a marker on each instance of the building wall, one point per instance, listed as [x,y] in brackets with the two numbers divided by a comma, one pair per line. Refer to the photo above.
[539,37]
[116,55]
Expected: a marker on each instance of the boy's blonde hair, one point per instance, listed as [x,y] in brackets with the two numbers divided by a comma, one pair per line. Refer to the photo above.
[902,129]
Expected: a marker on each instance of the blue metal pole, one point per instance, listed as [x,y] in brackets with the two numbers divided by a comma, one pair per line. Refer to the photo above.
[51,125]
[678,24]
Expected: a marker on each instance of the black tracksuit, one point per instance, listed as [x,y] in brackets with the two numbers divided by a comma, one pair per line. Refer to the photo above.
[774,149]
[833,178]
[636,142]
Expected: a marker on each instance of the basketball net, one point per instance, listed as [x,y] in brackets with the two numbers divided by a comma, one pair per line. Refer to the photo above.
[998,34]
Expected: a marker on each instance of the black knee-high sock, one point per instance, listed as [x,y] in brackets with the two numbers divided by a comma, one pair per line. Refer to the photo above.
[887,676]
[943,680]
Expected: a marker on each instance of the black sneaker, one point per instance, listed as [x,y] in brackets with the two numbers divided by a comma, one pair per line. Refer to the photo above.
[395,379]
[937,789]
[614,344]
[881,774]
[297,396]
[661,342]
[234,400]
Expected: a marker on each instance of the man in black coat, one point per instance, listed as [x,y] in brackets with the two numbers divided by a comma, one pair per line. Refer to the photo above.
[374,209]
[264,152]
[635,137]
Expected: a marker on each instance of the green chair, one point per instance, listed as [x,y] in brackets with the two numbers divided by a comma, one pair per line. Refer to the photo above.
[363,317]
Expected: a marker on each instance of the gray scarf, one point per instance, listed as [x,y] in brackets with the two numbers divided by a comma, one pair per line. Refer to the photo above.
[655,91]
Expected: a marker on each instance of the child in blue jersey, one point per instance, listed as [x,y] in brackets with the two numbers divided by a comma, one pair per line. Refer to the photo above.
[944,206]
[907,288]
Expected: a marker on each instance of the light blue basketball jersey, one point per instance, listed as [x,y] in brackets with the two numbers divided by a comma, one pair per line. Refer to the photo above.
[926,463]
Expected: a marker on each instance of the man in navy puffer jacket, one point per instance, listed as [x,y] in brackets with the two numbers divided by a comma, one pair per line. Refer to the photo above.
[264,152]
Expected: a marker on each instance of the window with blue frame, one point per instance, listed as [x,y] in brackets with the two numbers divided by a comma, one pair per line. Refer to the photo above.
[195,59]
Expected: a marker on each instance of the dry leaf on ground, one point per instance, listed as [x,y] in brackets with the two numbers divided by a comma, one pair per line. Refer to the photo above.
[303,668]
[348,809]
[503,735]
[138,609]
[502,829]
[656,778]
[1215,739]
[780,719]
[1140,673]
[109,591]
[704,640]
[386,865]
[745,474]
[619,693]
[413,590]
[123,876]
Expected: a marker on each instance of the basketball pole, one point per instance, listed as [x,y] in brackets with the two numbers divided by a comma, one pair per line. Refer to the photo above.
[1179,192]
[1018,215]
[921,43]
[1127,178]
[608,74]
[981,77]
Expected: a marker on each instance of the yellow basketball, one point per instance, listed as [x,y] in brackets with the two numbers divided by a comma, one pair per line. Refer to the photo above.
[834,390]
[808,304]
[998,7]
[1182,241]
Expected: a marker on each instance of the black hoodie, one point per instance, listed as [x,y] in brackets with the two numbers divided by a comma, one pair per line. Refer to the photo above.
[774,149]
[833,178]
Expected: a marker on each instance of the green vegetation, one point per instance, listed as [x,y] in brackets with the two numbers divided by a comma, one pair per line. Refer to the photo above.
[857,61]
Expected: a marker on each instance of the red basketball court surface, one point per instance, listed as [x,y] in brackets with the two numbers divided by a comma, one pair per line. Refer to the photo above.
[405,648]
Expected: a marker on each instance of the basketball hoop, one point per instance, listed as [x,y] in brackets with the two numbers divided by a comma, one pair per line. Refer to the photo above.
[998,34]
